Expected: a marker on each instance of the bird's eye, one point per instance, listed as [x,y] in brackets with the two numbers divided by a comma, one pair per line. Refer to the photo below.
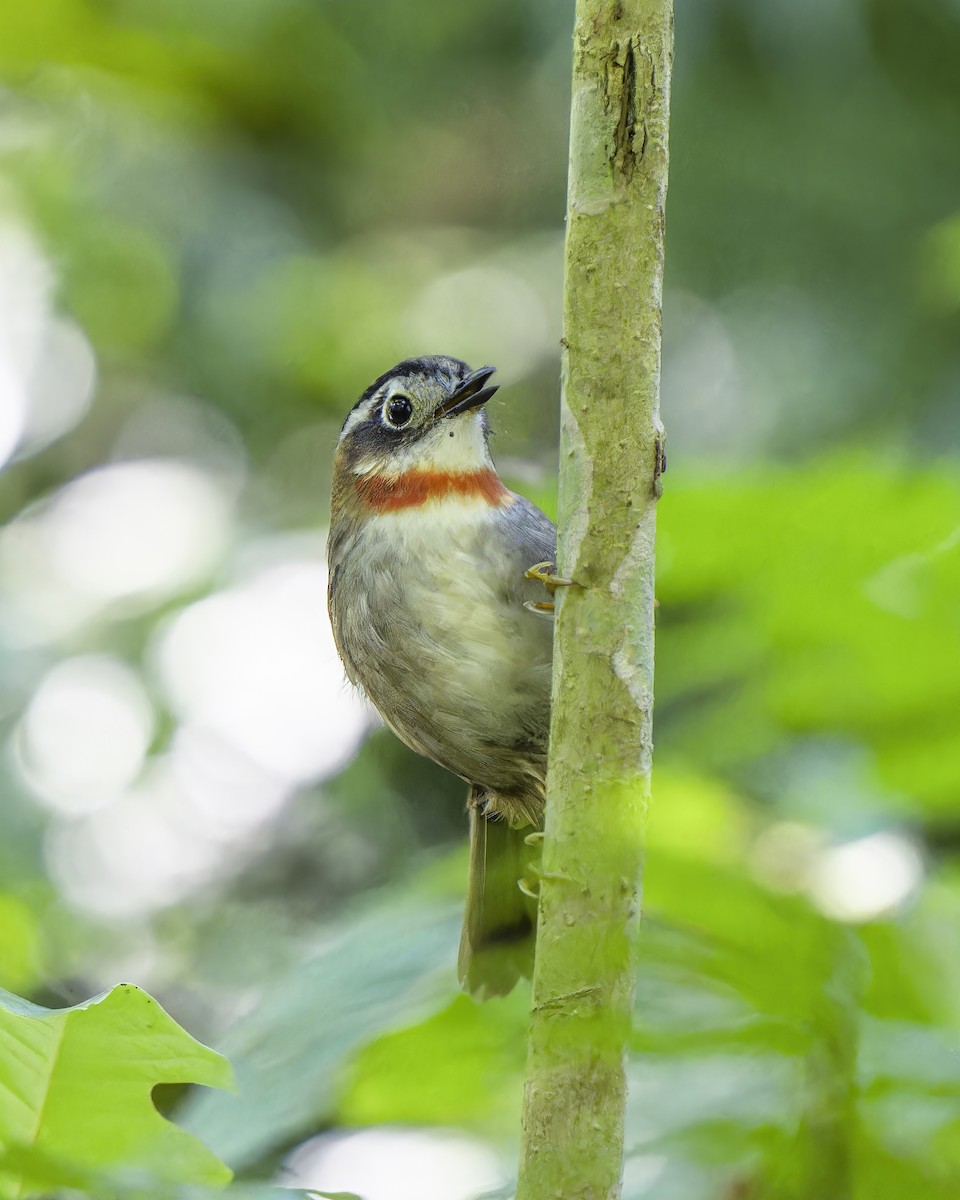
[397,411]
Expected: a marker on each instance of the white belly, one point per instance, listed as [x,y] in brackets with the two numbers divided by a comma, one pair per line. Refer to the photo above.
[430,622]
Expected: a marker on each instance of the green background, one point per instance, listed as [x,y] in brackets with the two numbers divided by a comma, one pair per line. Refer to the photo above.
[218,222]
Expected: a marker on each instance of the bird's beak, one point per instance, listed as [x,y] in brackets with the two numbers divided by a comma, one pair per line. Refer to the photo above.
[470,393]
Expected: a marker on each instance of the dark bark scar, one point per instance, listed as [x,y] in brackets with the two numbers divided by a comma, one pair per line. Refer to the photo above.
[567,1000]
[659,464]
[626,96]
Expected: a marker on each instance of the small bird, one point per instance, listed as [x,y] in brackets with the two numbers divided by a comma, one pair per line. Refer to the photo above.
[437,601]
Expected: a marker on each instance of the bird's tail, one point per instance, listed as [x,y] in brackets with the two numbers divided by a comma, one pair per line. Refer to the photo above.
[499,924]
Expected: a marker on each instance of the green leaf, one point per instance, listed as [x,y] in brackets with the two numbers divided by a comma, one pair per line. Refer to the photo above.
[75,1088]
[387,967]
[476,1055]
[819,601]
[19,953]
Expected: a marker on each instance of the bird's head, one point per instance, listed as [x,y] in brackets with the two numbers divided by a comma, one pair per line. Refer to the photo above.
[425,414]
[419,431]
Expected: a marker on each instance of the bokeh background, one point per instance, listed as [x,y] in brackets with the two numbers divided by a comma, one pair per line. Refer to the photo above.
[219,220]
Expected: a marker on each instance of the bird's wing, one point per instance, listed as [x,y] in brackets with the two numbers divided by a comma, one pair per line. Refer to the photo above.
[533,537]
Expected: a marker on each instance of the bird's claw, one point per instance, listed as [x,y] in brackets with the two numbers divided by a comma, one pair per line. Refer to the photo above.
[535,838]
[532,888]
[544,608]
[543,571]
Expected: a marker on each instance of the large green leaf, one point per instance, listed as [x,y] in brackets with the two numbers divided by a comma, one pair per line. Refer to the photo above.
[385,968]
[75,1091]
[475,1081]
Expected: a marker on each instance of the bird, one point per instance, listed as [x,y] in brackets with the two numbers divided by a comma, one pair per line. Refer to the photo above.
[440,581]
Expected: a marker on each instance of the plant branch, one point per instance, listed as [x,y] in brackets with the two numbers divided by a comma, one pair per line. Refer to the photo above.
[600,742]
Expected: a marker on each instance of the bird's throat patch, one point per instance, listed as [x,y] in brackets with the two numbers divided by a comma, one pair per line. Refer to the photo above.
[390,493]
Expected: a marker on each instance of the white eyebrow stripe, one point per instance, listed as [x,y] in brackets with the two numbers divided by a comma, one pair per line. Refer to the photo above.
[360,414]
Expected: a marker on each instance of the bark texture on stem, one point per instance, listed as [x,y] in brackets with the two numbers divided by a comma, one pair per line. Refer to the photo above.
[600,742]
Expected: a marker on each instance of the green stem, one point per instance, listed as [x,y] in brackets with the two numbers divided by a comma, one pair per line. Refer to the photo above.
[600,743]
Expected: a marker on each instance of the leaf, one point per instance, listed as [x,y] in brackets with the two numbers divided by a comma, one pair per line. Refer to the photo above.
[18,944]
[819,601]
[476,1054]
[75,1088]
[390,966]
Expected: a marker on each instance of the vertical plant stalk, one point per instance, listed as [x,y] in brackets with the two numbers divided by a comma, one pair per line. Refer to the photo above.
[828,1126]
[600,738]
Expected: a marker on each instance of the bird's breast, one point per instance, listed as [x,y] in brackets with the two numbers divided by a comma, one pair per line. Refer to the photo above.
[429,623]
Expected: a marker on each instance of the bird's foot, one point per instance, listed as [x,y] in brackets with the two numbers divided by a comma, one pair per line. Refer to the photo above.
[531,886]
[543,571]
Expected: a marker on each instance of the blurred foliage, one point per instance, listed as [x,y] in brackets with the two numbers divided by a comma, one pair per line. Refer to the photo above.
[218,222]
[372,973]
